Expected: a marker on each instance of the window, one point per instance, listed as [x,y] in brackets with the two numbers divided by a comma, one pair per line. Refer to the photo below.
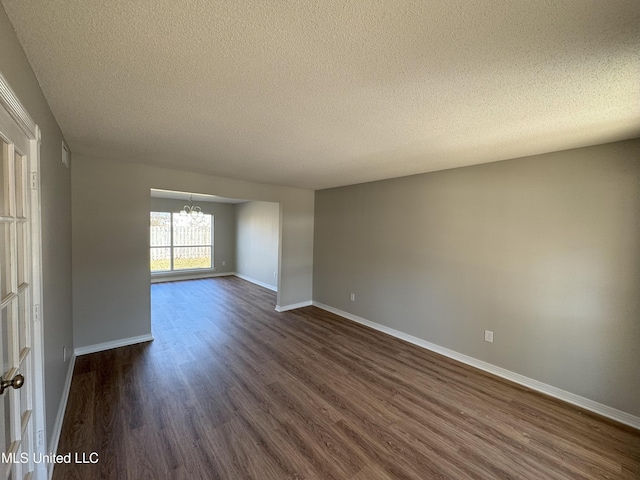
[178,243]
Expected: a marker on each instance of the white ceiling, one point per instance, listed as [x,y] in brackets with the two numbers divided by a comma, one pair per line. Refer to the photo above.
[324,93]
[196,197]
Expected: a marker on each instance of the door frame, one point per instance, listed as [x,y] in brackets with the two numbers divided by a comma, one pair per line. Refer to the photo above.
[10,102]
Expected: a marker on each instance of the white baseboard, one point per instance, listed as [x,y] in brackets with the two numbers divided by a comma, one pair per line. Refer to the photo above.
[176,277]
[124,342]
[62,408]
[587,404]
[293,306]
[257,282]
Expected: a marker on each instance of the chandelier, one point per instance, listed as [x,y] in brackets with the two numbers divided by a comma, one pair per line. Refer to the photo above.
[192,212]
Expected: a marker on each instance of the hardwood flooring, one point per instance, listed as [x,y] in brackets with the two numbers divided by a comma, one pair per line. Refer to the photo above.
[231,389]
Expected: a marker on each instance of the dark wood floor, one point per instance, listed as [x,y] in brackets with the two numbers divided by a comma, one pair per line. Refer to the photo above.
[231,389]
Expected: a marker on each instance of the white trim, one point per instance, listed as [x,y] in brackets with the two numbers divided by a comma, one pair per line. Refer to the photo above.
[293,306]
[62,408]
[175,277]
[257,282]
[40,409]
[13,106]
[124,342]
[587,404]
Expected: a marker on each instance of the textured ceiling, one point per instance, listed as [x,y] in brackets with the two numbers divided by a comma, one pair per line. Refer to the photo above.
[324,93]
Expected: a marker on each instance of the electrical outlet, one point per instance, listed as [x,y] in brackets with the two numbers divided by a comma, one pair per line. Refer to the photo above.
[224,263]
[488,336]
[274,274]
[353,297]
[64,353]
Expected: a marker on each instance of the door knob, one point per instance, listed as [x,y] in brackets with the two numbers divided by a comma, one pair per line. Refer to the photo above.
[16,382]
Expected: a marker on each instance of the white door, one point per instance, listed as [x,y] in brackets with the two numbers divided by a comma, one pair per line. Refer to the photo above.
[17,332]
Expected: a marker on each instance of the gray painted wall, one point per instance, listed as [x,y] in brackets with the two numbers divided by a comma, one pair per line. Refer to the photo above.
[258,225]
[542,250]
[56,218]
[111,204]
[224,229]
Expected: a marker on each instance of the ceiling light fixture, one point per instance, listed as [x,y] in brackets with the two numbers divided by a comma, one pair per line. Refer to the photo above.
[192,211]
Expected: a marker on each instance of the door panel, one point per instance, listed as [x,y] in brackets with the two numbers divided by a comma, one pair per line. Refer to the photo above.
[16,419]
[5,261]
[4,173]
